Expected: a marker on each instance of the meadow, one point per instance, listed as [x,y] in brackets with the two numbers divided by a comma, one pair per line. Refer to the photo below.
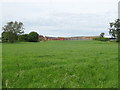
[60,64]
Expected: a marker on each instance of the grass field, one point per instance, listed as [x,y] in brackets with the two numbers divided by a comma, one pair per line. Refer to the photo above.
[60,64]
[0,65]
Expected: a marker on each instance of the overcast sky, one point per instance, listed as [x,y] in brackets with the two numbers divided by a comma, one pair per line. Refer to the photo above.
[61,17]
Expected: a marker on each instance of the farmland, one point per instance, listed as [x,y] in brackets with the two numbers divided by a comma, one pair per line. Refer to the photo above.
[60,64]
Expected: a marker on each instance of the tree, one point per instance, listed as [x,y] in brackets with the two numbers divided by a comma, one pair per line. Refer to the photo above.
[5,36]
[24,37]
[12,30]
[33,37]
[102,34]
[8,37]
[115,29]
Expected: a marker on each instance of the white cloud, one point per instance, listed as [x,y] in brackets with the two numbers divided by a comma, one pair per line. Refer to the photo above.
[61,17]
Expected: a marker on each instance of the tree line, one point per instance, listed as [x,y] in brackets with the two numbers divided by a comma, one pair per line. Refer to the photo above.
[14,31]
[114,31]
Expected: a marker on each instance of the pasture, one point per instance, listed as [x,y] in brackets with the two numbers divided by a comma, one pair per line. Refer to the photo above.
[60,64]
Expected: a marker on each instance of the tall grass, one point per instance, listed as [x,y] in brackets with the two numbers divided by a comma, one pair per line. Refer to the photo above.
[60,64]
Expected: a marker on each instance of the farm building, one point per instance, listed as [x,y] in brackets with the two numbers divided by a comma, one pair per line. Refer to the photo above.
[55,38]
[71,38]
[42,38]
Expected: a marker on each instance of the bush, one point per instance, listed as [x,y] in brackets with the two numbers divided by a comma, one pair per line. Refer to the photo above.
[33,37]
[24,37]
[101,39]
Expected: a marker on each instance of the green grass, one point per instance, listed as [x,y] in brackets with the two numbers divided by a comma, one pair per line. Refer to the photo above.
[0,65]
[60,64]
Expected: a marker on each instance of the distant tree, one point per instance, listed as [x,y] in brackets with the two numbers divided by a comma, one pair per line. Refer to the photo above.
[5,36]
[102,34]
[11,30]
[24,37]
[115,29]
[8,37]
[33,37]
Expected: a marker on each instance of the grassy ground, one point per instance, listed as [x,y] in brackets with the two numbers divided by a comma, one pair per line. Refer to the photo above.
[60,64]
[0,65]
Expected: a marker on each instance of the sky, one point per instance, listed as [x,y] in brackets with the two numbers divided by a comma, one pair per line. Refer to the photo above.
[61,17]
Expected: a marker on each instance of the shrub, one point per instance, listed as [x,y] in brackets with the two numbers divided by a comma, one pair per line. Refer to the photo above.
[33,37]
[101,39]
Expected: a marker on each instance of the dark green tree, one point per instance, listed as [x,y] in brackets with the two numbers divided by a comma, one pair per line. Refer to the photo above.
[102,34]
[5,36]
[115,29]
[11,31]
[8,37]
[24,37]
[33,37]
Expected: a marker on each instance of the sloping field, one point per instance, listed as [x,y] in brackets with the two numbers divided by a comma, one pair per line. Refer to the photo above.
[60,64]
